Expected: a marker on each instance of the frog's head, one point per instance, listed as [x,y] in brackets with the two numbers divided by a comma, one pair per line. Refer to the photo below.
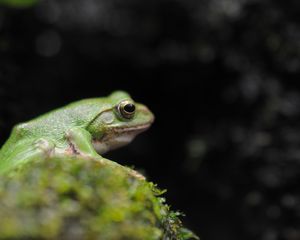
[119,123]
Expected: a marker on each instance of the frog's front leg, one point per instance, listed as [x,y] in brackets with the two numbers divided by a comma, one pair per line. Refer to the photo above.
[80,142]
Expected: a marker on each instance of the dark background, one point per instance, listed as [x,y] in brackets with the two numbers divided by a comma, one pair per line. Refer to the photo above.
[221,76]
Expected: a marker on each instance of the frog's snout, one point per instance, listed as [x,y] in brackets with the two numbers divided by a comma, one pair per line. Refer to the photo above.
[147,113]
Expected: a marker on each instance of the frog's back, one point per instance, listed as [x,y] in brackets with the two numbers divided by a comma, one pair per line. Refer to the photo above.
[51,125]
[54,123]
[23,136]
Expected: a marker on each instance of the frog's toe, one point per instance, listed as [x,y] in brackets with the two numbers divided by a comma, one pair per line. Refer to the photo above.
[136,174]
[106,162]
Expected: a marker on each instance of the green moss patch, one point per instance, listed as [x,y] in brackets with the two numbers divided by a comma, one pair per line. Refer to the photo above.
[74,198]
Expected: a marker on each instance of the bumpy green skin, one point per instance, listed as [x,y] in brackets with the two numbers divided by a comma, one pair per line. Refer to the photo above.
[70,130]
[72,198]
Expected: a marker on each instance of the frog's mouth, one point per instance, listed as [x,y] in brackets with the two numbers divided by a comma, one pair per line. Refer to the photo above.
[117,137]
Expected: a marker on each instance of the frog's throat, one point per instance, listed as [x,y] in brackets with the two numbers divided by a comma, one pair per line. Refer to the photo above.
[118,137]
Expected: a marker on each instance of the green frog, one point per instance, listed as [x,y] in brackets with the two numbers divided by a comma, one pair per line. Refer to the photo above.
[87,128]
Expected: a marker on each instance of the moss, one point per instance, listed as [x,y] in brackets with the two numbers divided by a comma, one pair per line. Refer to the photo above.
[78,199]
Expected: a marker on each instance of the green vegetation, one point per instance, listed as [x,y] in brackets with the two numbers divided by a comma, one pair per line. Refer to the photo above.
[18,3]
[74,198]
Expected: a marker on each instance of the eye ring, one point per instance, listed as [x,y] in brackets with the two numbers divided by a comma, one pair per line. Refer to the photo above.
[126,109]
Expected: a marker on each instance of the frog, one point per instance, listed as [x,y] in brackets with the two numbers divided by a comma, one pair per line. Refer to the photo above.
[86,128]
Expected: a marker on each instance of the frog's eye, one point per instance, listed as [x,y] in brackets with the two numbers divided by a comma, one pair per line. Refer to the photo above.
[126,109]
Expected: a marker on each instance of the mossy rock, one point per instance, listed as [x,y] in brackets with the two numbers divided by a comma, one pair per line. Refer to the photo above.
[75,198]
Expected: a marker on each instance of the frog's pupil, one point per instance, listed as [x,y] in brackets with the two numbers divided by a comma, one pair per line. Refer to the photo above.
[130,108]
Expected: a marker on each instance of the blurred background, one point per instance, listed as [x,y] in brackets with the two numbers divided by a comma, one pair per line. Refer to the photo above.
[221,76]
